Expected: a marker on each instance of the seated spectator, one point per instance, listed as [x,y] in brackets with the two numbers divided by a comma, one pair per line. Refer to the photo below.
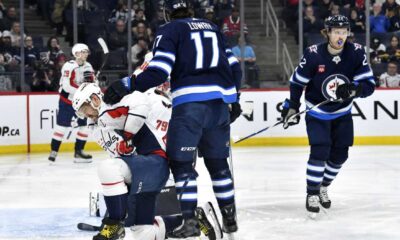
[10,17]
[393,50]
[5,80]
[311,24]
[118,38]
[324,8]
[210,16]
[356,23]
[391,78]
[10,53]
[389,5]
[31,53]
[231,26]
[142,32]
[251,69]
[157,21]
[346,4]
[16,34]
[43,80]
[54,51]
[223,8]
[121,13]
[139,18]
[138,51]
[379,23]
[335,10]
[377,50]
[395,21]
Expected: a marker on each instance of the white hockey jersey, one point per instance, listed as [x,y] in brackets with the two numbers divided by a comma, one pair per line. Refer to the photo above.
[72,77]
[145,115]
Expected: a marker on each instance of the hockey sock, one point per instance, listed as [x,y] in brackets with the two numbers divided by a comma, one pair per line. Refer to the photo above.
[223,188]
[116,206]
[331,170]
[55,145]
[172,222]
[315,174]
[145,208]
[186,189]
[79,145]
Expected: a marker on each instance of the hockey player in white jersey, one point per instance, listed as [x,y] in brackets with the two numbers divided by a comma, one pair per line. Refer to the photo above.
[73,74]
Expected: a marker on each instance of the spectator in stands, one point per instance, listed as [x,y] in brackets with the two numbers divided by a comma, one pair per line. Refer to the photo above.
[2,15]
[43,80]
[10,17]
[141,31]
[346,4]
[335,10]
[118,38]
[223,8]
[324,8]
[356,23]
[138,51]
[121,13]
[210,16]
[377,50]
[5,80]
[10,53]
[251,69]
[231,26]
[31,53]
[311,24]
[391,78]
[16,34]
[157,21]
[393,50]
[389,5]
[395,21]
[379,23]
[139,18]
[54,51]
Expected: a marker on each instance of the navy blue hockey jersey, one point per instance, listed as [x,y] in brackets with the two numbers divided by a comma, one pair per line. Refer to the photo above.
[193,52]
[321,73]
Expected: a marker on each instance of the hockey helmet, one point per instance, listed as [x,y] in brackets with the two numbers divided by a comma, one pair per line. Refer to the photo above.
[170,6]
[79,47]
[337,21]
[84,95]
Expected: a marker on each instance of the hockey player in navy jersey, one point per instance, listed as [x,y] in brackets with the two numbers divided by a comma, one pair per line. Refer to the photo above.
[205,79]
[335,70]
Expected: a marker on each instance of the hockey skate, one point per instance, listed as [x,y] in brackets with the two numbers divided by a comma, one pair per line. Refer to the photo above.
[312,205]
[52,156]
[324,198]
[111,230]
[229,219]
[208,222]
[81,157]
[189,228]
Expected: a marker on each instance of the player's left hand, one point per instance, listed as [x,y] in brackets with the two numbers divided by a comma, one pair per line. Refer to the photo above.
[289,109]
[348,90]
[234,111]
[118,89]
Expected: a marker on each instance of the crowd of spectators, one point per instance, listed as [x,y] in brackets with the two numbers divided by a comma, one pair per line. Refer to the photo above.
[384,27]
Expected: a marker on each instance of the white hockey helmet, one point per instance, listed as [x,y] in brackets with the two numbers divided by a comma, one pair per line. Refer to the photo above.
[79,47]
[84,95]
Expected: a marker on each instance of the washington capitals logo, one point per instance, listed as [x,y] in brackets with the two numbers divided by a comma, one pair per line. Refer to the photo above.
[330,84]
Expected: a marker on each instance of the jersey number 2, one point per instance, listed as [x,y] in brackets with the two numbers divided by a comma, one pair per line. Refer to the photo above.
[198,42]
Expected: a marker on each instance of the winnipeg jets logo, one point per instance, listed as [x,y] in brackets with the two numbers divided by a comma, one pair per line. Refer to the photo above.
[330,84]
[336,59]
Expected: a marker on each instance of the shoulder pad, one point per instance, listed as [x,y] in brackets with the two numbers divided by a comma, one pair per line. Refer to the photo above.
[313,49]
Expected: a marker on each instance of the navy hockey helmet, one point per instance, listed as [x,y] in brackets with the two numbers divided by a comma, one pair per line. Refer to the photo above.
[337,21]
[171,6]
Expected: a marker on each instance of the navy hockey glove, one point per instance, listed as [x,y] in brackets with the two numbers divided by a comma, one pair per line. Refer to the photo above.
[348,90]
[234,111]
[118,89]
[289,109]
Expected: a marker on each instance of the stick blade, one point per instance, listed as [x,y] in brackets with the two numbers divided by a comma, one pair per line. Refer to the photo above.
[103,45]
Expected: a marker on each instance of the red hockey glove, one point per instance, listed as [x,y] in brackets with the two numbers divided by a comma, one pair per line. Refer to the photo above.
[125,147]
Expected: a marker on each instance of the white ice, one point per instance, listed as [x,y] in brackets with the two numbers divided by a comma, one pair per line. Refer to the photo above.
[42,201]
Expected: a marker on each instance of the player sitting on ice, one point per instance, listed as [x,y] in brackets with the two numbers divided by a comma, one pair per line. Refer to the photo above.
[73,74]
[139,120]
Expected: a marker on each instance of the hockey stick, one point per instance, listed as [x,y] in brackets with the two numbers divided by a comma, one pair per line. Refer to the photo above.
[105,52]
[293,116]
[88,227]
[231,236]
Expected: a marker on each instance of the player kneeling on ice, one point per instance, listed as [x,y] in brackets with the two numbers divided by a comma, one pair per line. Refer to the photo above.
[336,70]
[139,120]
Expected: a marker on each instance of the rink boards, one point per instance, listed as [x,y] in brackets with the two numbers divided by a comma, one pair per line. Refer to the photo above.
[27,121]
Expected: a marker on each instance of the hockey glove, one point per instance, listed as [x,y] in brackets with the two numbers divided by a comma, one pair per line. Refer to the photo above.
[290,108]
[125,146]
[119,89]
[234,111]
[348,90]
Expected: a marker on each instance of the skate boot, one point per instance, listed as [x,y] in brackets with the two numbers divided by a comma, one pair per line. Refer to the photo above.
[53,155]
[312,205]
[189,228]
[229,218]
[324,198]
[205,225]
[81,157]
[111,230]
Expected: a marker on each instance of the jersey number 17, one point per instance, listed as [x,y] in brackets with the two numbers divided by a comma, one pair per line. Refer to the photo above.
[199,42]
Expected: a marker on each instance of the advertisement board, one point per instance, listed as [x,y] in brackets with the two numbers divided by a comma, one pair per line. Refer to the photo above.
[13,120]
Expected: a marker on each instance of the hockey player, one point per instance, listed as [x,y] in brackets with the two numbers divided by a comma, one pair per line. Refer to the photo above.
[139,120]
[337,70]
[73,74]
[205,79]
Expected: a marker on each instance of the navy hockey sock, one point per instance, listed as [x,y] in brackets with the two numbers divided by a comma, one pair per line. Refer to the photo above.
[223,188]
[186,189]
[331,170]
[117,206]
[79,145]
[55,145]
[172,222]
[315,174]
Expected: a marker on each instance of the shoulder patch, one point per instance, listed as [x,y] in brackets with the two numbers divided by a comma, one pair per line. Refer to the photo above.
[357,46]
[313,48]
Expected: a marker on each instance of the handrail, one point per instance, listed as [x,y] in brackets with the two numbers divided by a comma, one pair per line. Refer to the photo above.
[262,12]
[287,64]
[273,20]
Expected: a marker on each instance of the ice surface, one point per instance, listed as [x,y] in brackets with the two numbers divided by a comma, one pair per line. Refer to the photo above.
[43,201]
